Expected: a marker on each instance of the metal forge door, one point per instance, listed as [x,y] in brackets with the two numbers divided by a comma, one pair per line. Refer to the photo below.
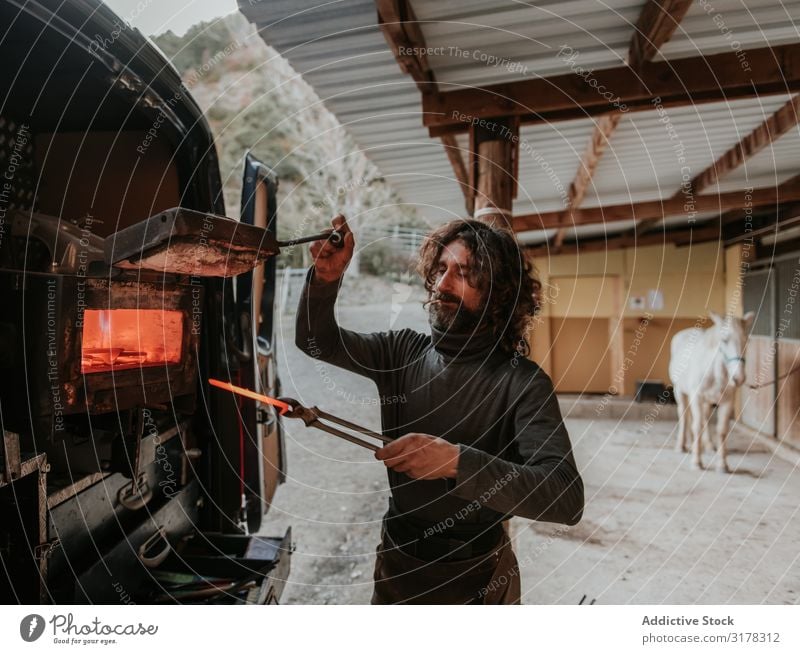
[263,462]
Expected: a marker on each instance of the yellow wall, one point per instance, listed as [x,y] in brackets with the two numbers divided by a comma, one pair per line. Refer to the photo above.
[733,280]
[736,263]
[600,284]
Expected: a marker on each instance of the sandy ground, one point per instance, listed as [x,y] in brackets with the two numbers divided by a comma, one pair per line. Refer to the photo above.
[654,530]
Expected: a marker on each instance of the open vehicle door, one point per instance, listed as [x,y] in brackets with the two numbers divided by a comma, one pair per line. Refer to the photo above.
[262,457]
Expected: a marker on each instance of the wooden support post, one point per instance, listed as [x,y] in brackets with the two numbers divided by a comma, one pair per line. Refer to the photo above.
[494,164]
[462,176]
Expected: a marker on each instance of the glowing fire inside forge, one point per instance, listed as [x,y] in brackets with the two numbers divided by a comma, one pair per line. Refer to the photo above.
[119,339]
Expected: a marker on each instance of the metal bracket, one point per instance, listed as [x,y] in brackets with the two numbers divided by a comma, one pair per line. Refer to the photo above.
[265,416]
[45,550]
[11,456]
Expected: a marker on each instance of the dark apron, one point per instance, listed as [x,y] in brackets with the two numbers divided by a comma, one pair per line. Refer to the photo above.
[491,578]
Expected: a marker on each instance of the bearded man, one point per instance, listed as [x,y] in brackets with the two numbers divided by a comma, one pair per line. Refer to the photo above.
[479,436]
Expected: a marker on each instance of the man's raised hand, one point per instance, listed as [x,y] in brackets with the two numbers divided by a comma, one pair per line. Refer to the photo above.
[330,262]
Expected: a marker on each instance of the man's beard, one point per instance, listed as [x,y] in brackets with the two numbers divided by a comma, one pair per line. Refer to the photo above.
[454,318]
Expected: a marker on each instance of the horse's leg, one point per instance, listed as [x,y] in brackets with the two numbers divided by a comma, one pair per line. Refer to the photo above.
[683,423]
[708,436]
[698,420]
[724,413]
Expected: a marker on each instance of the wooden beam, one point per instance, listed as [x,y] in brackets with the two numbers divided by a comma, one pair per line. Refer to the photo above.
[602,132]
[786,192]
[656,24]
[783,120]
[771,251]
[587,166]
[460,169]
[765,231]
[738,226]
[493,160]
[674,83]
[699,234]
[780,122]
[402,32]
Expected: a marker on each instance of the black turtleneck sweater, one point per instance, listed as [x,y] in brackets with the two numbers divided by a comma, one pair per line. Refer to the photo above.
[515,454]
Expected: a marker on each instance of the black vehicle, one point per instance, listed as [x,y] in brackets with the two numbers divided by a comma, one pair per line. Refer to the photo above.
[124,476]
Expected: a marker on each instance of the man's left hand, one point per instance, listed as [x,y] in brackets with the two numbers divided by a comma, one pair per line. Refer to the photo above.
[421,456]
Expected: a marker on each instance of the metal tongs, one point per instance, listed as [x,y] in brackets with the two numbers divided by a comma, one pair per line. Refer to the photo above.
[312,417]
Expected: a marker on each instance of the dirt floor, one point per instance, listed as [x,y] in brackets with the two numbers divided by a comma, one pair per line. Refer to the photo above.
[654,530]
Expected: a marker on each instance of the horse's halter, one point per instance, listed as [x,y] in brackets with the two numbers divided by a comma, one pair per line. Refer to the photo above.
[728,359]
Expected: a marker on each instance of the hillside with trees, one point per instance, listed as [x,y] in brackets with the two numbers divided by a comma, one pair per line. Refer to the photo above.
[254,101]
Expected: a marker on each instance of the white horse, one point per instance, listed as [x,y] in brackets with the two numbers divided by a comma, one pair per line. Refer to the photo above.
[706,368]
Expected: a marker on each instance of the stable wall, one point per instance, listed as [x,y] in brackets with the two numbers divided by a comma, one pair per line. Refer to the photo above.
[593,337]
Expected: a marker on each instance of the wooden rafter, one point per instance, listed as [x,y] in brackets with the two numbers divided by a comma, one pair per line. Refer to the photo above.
[460,169]
[587,166]
[778,124]
[591,157]
[783,120]
[641,85]
[685,236]
[676,83]
[657,22]
[402,31]
[740,226]
[787,192]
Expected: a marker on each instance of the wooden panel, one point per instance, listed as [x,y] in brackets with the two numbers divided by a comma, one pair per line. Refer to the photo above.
[591,263]
[685,293]
[758,295]
[584,296]
[658,259]
[734,280]
[787,289]
[758,405]
[580,355]
[647,350]
[788,390]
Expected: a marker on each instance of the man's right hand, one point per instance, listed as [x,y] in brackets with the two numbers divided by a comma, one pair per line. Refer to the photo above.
[330,262]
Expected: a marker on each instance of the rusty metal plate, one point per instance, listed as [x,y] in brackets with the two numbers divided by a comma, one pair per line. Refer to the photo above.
[185,242]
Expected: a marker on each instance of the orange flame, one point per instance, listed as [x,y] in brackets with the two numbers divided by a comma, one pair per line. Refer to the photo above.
[251,394]
[119,339]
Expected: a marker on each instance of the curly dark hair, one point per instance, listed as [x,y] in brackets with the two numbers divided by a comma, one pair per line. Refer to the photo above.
[499,269]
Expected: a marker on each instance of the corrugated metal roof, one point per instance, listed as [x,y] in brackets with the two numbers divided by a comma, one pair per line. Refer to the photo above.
[647,158]
[712,26]
[339,49]
[487,42]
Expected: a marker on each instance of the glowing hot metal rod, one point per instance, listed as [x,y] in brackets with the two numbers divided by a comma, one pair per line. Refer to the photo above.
[311,416]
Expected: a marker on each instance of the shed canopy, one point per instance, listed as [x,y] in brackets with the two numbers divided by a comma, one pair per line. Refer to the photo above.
[625,117]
